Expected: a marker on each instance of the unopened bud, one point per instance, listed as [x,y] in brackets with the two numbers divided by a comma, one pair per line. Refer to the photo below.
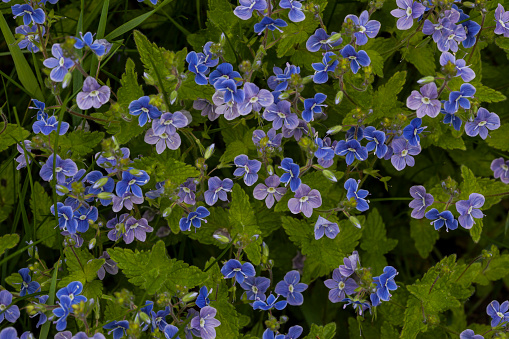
[135,171]
[173,97]
[62,189]
[91,243]
[354,221]
[105,195]
[307,79]
[209,151]
[335,129]
[221,238]
[100,183]
[329,175]
[167,212]
[339,97]
[270,169]
[265,250]
[67,80]
[284,96]
[468,4]
[426,80]
[190,297]
[144,317]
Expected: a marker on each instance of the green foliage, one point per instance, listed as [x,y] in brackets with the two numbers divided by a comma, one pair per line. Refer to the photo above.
[424,235]
[375,242]
[82,267]
[326,332]
[80,143]
[323,255]
[7,242]
[164,167]
[385,98]
[40,203]
[11,135]
[154,272]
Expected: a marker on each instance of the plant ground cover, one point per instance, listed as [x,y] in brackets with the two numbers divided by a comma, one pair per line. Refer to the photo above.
[274,169]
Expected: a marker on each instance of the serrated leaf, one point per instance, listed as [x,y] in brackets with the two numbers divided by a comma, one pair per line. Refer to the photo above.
[79,142]
[190,90]
[325,254]
[375,242]
[424,235]
[81,266]
[498,138]
[8,241]
[486,94]
[323,332]
[377,62]
[422,58]
[12,134]
[386,96]
[154,271]
[414,322]
[233,149]
[164,167]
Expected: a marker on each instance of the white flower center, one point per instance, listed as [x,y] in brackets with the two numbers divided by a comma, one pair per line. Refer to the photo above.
[362,29]
[500,315]
[2,307]
[61,62]
[404,153]
[273,190]
[254,289]
[352,150]
[94,93]
[58,169]
[144,110]
[253,100]
[341,285]
[352,57]
[202,322]
[118,227]
[187,190]
[505,167]
[409,11]
[482,123]
[425,100]
[502,23]
[290,288]
[83,217]
[134,226]
[164,136]
[132,182]
[281,115]
[304,199]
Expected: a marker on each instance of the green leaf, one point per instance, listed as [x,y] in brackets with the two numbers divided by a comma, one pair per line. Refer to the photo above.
[45,221]
[81,266]
[325,254]
[375,242]
[233,149]
[8,241]
[424,235]
[23,69]
[498,138]
[154,272]
[492,269]
[377,62]
[190,90]
[244,225]
[12,134]
[130,89]
[422,58]
[486,94]
[323,332]
[79,142]
[472,184]
[414,322]
[386,96]
[164,167]
[9,180]
[502,43]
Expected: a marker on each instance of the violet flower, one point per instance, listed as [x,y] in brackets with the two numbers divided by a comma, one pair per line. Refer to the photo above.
[59,63]
[305,200]
[324,226]
[92,94]
[422,200]
[269,191]
[426,102]
[205,323]
[340,286]
[163,140]
[136,229]
[291,288]
[483,122]
[217,190]
[470,209]
[500,169]
[255,98]
[403,152]
[247,168]
[407,12]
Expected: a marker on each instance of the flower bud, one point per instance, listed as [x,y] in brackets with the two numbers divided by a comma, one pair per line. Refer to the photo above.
[135,171]
[307,79]
[469,4]
[426,80]
[209,151]
[105,195]
[334,38]
[62,189]
[270,169]
[284,96]
[173,97]
[339,97]
[100,183]
[167,212]
[354,221]
[190,297]
[144,317]
[67,80]
[335,129]
[91,243]
[221,238]
[329,175]
[265,249]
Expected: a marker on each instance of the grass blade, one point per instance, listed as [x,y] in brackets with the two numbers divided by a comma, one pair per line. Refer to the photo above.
[25,74]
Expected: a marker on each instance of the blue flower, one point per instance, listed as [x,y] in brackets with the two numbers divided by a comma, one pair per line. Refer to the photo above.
[31,35]
[295,14]
[294,332]
[203,297]
[59,63]
[230,90]
[269,334]
[321,40]
[10,313]
[255,287]
[246,8]
[353,191]
[27,286]
[351,149]
[442,218]
[233,268]
[291,288]
[84,216]
[412,131]
[42,317]
[292,174]
[118,328]
[499,313]
[384,283]
[40,107]
[322,69]
[376,141]
[170,331]
[462,70]
[355,132]
[72,291]
[325,152]
[199,69]
[63,168]
[471,28]
[217,190]
[247,168]
[66,220]
[357,59]
[88,40]
[452,119]
[279,81]
[100,184]
[29,14]
[145,110]
[312,106]
[131,181]
[47,125]
[364,27]
[281,115]
[270,24]
[457,99]
[194,218]
[270,304]
[153,2]
[62,312]
[470,209]
[358,305]
[222,73]
[158,320]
